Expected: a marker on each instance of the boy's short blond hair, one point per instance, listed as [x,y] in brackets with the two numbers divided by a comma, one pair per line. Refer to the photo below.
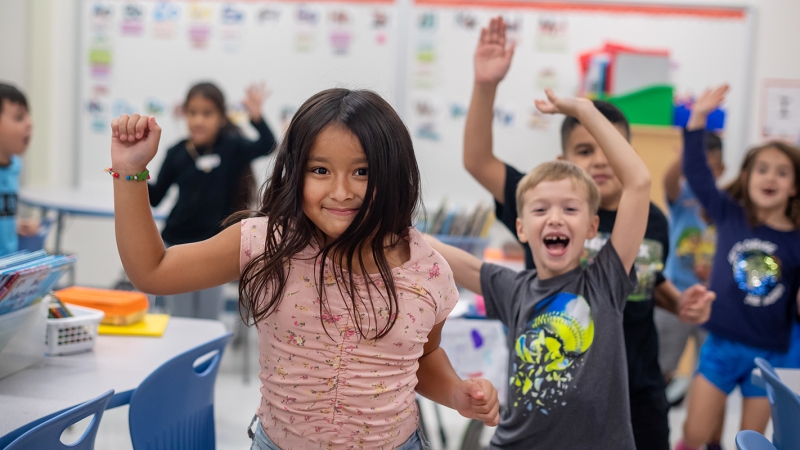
[556,171]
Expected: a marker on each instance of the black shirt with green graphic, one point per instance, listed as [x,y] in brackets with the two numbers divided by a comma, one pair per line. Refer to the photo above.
[641,339]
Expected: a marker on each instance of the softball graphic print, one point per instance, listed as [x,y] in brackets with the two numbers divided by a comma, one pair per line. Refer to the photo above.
[549,350]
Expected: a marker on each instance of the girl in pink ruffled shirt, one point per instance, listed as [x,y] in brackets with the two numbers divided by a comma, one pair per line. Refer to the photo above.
[348,299]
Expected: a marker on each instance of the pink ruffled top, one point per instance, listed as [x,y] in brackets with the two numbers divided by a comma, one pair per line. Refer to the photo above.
[337,390]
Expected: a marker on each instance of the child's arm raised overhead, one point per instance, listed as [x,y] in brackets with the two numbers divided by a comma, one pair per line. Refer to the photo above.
[634,205]
[492,60]
[255,96]
[466,268]
[437,381]
[695,163]
[151,268]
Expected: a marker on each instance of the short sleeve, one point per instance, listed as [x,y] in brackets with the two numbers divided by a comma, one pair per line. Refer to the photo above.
[608,274]
[434,275]
[253,243]
[506,212]
[445,290]
[499,285]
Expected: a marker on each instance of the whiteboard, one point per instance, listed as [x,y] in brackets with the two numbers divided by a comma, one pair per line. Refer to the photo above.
[418,56]
[707,47]
[157,50]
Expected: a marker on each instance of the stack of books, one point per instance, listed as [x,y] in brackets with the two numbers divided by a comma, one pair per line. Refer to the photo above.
[25,277]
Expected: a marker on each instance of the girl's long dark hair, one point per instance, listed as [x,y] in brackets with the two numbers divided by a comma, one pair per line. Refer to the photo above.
[244,192]
[738,188]
[390,203]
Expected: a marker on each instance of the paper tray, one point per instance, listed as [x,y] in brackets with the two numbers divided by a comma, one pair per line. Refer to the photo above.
[153,325]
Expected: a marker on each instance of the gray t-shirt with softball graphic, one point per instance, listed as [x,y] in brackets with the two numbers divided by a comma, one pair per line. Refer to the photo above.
[568,377]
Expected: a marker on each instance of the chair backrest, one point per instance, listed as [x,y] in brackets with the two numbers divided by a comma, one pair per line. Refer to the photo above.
[48,434]
[785,406]
[752,440]
[173,408]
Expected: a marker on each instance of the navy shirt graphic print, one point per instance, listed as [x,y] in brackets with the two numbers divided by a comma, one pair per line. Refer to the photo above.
[757,271]
[561,331]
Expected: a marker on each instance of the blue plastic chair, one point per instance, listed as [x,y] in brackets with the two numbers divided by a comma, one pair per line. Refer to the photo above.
[784,405]
[752,440]
[173,408]
[48,434]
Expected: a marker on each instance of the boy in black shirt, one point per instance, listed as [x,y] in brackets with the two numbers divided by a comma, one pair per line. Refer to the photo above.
[646,384]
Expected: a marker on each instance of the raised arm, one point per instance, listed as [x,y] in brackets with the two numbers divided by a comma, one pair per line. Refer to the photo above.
[634,204]
[466,268]
[255,96]
[695,164]
[151,268]
[492,60]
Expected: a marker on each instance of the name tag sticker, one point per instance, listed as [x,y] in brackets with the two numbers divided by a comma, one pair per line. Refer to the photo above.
[207,163]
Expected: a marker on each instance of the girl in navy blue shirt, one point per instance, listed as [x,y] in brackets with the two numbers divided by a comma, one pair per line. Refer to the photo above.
[212,171]
[755,274]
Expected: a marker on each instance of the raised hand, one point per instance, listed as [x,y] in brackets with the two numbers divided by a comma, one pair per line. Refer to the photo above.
[134,142]
[704,105]
[562,105]
[492,57]
[694,305]
[255,95]
[476,398]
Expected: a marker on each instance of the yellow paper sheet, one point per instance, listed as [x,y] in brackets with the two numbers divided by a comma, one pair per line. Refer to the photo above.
[152,325]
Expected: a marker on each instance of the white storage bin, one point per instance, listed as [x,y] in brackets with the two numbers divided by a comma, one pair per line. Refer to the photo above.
[21,343]
[73,334]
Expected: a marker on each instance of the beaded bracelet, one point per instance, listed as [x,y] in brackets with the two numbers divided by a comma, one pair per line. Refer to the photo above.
[141,176]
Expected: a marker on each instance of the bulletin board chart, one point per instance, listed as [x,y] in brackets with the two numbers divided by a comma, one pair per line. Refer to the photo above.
[144,56]
[708,46]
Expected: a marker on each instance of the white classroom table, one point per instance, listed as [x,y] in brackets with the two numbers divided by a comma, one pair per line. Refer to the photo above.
[116,362]
[79,202]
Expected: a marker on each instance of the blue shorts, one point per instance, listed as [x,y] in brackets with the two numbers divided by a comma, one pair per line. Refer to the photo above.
[727,363]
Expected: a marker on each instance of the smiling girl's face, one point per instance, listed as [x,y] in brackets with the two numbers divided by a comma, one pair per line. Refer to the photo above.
[335,181]
[771,180]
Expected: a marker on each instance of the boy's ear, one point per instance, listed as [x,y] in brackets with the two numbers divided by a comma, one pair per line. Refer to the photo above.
[594,225]
[561,157]
[520,232]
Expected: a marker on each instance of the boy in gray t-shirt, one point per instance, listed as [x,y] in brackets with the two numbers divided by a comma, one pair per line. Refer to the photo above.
[568,386]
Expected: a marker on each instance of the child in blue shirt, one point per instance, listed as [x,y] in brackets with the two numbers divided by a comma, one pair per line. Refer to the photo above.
[692,243]
[755,274]
[15,135]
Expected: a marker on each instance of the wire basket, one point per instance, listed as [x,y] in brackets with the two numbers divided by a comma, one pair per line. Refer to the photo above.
[73,334]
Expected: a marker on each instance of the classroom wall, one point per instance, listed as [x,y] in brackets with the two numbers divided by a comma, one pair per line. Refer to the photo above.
[44,62]
[14,28]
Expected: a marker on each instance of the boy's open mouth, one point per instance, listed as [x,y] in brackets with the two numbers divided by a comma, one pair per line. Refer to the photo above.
[769,192]
[556,244]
